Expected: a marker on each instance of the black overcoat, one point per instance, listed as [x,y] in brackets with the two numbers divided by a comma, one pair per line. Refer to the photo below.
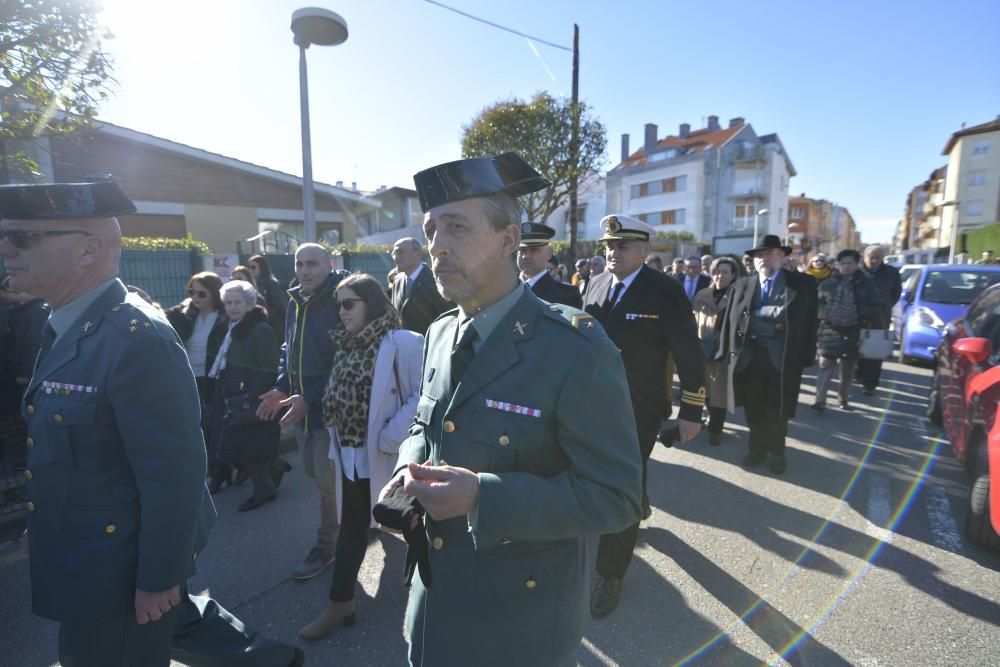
[423,305]
[549,289]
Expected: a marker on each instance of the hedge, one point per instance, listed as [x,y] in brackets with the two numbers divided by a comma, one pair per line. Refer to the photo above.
[160,243]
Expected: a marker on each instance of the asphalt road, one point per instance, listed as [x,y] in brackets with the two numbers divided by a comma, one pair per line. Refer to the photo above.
[855,556]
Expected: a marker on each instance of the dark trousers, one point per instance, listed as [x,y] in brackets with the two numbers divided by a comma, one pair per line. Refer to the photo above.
[870,371]
[355,518]
[716,419]
[761,389]
[197,632]
[614,550]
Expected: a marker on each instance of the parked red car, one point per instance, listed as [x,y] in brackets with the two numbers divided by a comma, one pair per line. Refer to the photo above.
[965,399]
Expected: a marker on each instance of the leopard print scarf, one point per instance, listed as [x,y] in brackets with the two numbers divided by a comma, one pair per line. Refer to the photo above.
[349,389]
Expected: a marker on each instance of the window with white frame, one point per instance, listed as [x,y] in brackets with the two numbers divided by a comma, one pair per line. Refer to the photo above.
[743,217]
[798,213]
[977,179]
[974,208]
[981,148]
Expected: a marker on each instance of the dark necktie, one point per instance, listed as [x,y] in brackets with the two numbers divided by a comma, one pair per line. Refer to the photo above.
[765,291]
[610,303]
[463,354]
[48,338]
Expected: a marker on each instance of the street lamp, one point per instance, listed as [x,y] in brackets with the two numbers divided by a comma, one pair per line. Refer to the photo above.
[312,25]
[756,219]
[791,226]
[954,229]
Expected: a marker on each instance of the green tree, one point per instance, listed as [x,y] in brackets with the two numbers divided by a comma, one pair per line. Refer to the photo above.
[540,132]
[53,74]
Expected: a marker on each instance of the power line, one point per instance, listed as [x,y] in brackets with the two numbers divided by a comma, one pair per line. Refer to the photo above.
[497,25]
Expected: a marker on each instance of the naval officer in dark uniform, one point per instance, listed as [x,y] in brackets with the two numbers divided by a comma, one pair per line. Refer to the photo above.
[506,453]
[649,318]
[118,508]
[533,255]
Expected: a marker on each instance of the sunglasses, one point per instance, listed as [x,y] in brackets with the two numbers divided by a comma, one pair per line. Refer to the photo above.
[348,304]
[19,238]
[200,293]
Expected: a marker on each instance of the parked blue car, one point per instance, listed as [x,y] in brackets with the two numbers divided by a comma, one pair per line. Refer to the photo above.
[932,297]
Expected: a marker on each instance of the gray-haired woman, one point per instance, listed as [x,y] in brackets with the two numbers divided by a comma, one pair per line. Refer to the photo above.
[245,368]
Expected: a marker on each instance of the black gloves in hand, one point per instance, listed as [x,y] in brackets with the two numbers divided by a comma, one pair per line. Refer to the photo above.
[397,511]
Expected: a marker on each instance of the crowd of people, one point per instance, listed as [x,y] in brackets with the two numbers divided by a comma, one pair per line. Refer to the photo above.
[484,358]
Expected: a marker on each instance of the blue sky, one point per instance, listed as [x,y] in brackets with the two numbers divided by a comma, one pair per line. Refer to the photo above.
[863,94]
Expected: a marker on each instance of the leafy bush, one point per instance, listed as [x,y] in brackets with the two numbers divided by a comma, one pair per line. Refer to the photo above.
[160,243]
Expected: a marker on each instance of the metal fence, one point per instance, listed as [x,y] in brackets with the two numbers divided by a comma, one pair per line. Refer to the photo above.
[163,274]
[377,264]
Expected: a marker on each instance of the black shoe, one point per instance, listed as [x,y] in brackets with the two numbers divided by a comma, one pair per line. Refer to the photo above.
[776,464]
[714,439]
[604,599]
[241,475]
[253,502]
[818,408]
[222,475]
[751,461]
[844,405]
[299,659]
[317,561]
[278,470]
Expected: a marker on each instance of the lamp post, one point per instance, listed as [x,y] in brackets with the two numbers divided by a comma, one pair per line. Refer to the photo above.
[756,221]
[953,228]
[789,239]
[312,25]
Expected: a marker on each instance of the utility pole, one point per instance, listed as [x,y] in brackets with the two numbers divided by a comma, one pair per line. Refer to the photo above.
[574,144]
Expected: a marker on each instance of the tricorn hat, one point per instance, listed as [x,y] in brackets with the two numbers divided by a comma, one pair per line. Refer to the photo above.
[535,234]
[770,242]
[476,177]
[98,197]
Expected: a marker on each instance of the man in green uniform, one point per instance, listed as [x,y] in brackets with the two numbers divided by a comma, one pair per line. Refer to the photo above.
[118,508]
[507,454]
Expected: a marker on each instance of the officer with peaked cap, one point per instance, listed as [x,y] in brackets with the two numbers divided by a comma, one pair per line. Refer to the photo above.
[118,511]
[649,318]
[533,255]
[519,466]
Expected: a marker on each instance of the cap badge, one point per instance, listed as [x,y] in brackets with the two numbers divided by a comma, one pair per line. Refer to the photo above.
[613,225]
[525,227]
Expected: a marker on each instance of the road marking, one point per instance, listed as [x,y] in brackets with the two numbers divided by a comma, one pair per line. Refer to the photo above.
[943,529]
[879,507]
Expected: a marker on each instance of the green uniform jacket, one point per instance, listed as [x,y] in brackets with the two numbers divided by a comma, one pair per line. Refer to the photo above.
[116,463]
[543,415]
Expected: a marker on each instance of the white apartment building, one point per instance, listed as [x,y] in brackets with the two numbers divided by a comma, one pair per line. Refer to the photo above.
[714,183]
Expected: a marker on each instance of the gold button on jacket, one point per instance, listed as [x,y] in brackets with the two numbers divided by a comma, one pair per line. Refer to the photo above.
[504,441]
[30,442]
[438,543]
[448,426]
[110,528]
[57,419]
[530,583]
[31,409]
[30,506]
[27,474]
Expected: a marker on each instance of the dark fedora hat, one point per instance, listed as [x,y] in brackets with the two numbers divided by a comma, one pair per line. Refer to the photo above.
[769,242]
[476,177]
[98,197]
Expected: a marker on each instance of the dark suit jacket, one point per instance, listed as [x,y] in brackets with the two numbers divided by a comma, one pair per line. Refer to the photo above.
[800,334]
[653,319]
[424,303]
[548,289]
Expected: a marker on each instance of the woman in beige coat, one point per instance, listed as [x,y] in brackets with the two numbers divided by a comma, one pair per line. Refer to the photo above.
[709,304]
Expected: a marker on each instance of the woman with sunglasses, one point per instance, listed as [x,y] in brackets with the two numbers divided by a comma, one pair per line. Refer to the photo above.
[370,400]
[201,325]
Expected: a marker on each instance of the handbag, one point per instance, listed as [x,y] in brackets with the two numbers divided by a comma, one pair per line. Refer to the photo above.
[241,410]
[875,343]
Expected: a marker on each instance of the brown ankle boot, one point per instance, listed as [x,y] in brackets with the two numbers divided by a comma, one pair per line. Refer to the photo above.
[336,613]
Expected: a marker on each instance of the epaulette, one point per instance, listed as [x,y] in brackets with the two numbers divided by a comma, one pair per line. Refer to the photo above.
[578,320]
[130,316]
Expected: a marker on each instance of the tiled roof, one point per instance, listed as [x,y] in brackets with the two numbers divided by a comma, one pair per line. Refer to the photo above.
[992,126]
[696,142]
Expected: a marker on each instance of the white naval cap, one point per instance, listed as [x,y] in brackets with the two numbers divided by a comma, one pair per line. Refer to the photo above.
[619,227]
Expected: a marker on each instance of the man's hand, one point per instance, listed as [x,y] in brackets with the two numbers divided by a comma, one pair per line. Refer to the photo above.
[444,491]
[688,430]
[269,404]
[152,606]
[297,409]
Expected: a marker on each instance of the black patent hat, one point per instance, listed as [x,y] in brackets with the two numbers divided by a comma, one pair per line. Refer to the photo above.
[535,234]
[476,177]
[99,197]
[770,242]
